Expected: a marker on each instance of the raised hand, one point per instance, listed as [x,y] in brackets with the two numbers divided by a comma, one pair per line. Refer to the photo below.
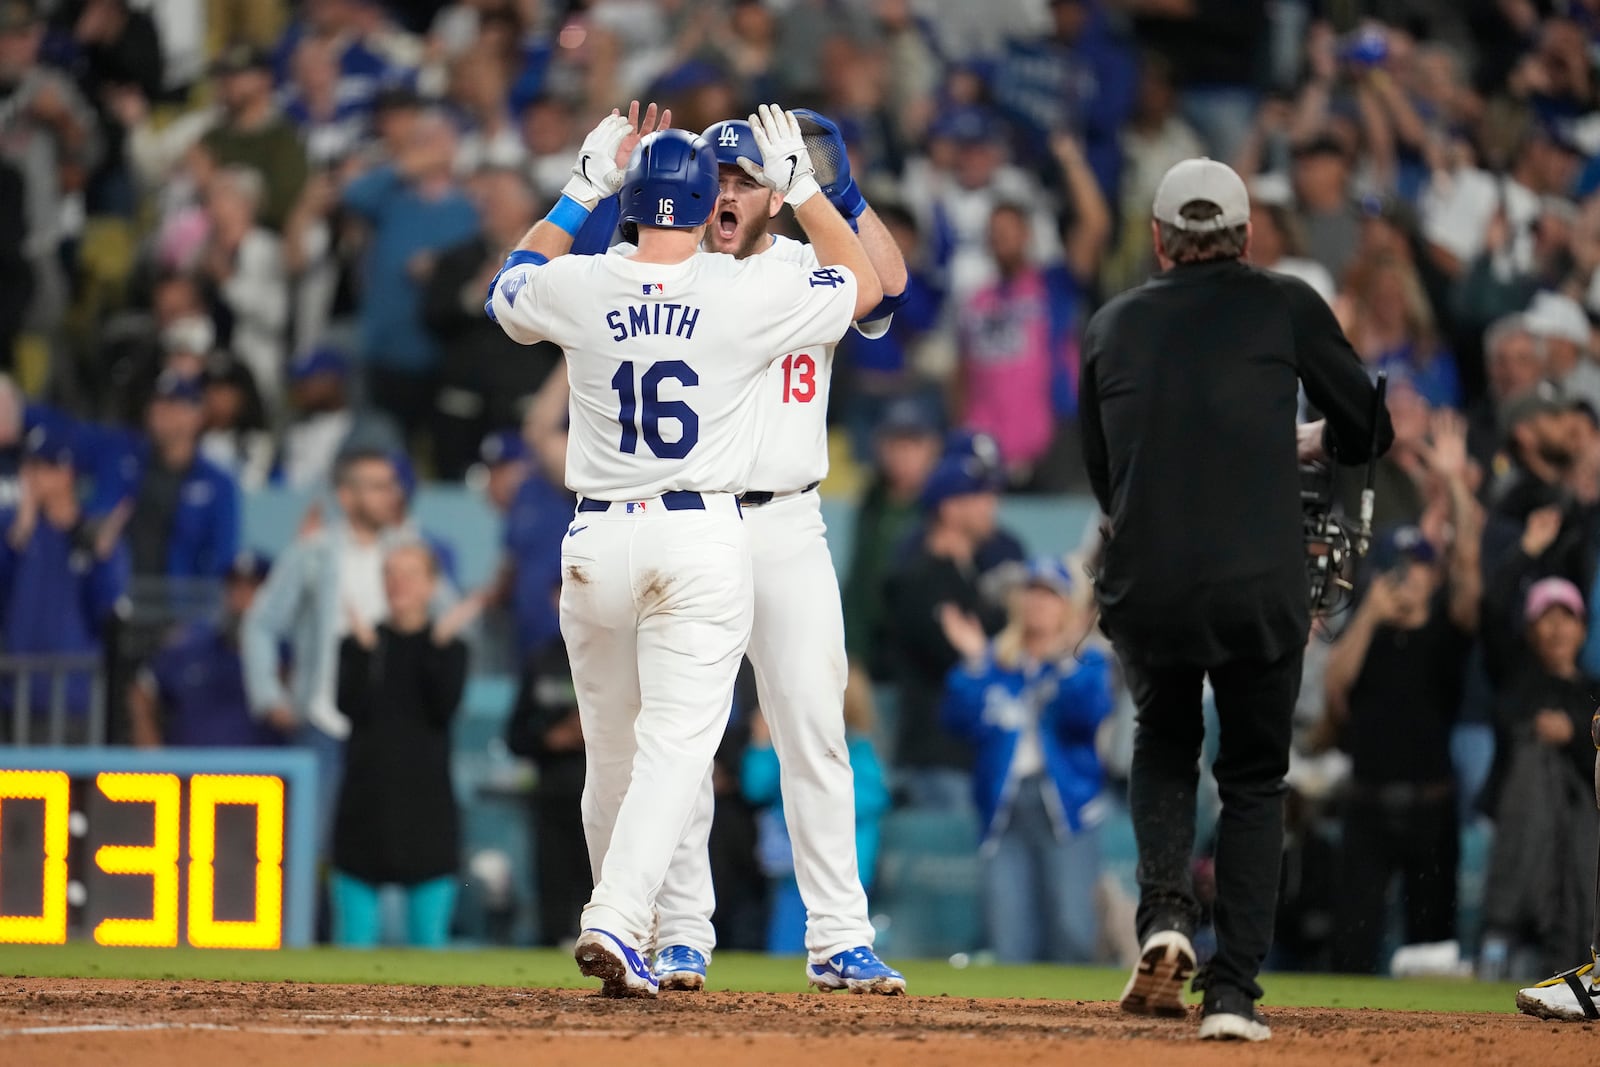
[963,631]
[641,130]
[595,174]
[786,166]
[1446,452]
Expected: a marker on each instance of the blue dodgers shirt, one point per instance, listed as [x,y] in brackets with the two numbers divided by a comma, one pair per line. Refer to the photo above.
[56,597]
[403,224]
[534,528]
[199,680]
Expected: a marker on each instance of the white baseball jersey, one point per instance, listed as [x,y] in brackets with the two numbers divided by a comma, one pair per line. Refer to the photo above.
[664,360]
[794,440]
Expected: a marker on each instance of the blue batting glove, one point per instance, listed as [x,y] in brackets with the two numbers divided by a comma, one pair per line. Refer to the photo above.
[826,146]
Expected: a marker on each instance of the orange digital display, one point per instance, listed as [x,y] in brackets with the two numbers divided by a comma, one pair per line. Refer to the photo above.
[160,860]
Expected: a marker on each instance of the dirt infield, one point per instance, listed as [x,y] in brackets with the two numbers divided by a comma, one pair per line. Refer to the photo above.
[102,1023]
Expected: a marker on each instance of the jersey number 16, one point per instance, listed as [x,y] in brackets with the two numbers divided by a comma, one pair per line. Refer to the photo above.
[633,416]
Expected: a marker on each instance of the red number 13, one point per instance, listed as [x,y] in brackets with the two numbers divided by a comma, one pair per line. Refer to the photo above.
[799,378]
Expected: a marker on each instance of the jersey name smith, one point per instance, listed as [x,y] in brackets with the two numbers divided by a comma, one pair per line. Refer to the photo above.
[653,320]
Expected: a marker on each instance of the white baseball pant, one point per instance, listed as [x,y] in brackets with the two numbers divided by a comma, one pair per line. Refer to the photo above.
[656,608]
[797,650]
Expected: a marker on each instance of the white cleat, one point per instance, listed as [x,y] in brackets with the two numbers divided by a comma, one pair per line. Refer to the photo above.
[1166,963]
[623,972]
[1569,997]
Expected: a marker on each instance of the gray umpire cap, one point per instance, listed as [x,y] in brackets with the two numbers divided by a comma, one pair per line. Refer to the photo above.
[1202,179]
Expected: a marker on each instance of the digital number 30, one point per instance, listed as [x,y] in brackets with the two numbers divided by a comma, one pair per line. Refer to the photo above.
[159,859]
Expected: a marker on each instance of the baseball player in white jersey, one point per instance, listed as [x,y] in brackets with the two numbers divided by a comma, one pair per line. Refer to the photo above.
[666,351]
[797,641]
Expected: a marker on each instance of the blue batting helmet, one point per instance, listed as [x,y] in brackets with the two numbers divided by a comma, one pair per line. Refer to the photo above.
[733,140]
[671,181]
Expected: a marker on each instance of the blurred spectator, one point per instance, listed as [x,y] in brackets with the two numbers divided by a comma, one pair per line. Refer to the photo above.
[317,586]
[956,189]
[359,35]
[1213,49]
[1154,140]
[1537,462]
[544,728]
[191,693]
[908,445]
[185,520]
[480,89]
[251,133]
[548,129]
[759,781]
[400,684]
[13,429]
[324,426]
[936,570]
[880,369]
[1394,681]
[236,438]
[48,133]
[332,121]
[1542,797]
[1275,244]
[138,344]
[1080,79]
[1516,364]
[1400,481]
[486,380]
[1392,328]
[116,50]
[415,210]
[1561,324]
[1019,361]
[60,577]
[1031,707]
[1325,208]
[243,261]
[537,521]
[16,273]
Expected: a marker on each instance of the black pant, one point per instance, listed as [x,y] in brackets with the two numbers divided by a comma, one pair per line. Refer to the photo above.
[1255,706]
[562,857]
[1416,838]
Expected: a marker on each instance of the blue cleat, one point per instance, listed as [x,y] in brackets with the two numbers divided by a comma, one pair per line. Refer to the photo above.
[858,970]
[603,955]
[679,967]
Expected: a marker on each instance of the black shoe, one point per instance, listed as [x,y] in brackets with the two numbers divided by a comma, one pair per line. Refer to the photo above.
[1229,1015]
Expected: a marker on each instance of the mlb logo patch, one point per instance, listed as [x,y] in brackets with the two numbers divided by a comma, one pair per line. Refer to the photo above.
[664,220]
[655,289]
[639,505]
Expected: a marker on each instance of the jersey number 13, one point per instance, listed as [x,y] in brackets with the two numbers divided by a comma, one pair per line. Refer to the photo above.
[647,416]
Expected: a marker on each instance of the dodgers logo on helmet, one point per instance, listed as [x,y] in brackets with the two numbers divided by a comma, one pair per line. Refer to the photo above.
[733,141]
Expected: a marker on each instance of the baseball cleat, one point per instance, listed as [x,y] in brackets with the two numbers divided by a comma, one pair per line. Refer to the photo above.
[857,969]
[1166,963]
[679,967]
[1568,997]
[623,972]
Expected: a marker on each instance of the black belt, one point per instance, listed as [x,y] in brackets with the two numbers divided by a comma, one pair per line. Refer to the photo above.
[677,500]
[755,498]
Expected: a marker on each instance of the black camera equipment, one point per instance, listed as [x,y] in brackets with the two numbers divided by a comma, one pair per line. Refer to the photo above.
[1334,545]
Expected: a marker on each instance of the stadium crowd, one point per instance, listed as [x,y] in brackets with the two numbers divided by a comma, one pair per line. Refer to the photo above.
[246,244]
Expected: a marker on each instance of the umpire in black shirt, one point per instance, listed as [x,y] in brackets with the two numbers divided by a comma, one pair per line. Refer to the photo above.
[1188,410]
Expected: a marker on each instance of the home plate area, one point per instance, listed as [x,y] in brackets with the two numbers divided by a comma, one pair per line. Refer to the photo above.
[105,1023]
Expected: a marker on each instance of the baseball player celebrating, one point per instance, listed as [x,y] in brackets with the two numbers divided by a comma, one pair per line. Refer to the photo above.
[797,641]
[666,350]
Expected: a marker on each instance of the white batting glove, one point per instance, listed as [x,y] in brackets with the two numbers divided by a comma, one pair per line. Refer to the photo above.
[786,165]
[596,175]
